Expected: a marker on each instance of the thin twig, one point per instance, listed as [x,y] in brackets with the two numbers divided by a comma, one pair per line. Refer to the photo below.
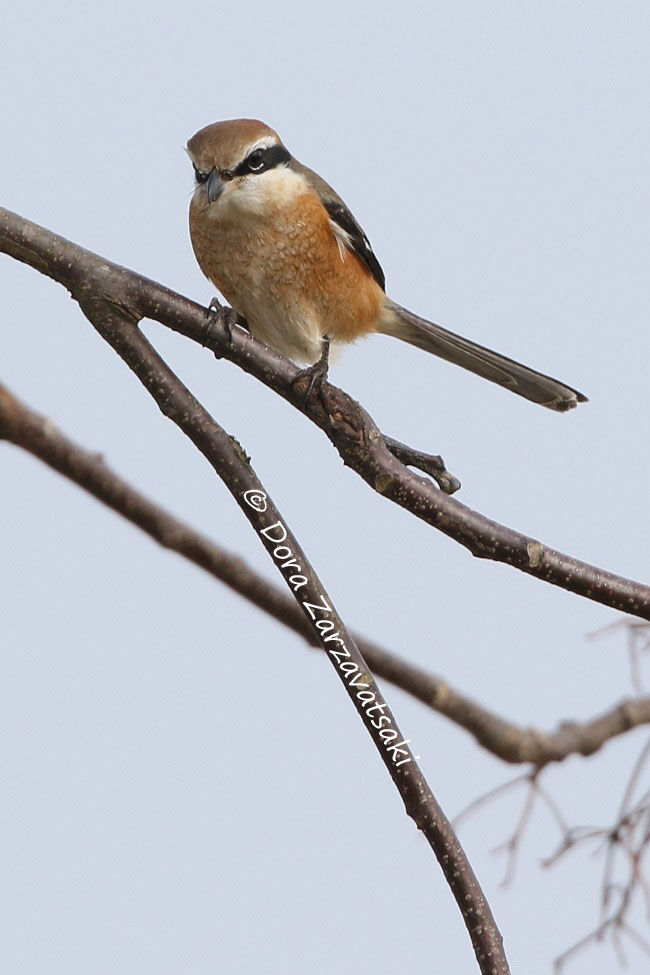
[638,642]
[513,843]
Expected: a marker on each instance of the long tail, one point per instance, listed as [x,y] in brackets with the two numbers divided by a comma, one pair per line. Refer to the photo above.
[490,365]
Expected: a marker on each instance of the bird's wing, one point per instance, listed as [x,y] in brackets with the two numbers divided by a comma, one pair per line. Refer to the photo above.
[345,227]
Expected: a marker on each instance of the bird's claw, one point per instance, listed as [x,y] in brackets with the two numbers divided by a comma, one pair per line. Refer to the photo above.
[224,316]
[315,374]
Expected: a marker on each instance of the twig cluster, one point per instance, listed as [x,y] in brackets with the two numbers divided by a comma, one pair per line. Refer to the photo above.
[624,846]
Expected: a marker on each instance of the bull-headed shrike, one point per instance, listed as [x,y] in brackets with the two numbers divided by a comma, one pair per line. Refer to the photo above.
[285,251]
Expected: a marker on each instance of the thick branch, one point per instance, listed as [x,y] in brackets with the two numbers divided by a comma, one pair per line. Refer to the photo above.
[36,434]
[348,426]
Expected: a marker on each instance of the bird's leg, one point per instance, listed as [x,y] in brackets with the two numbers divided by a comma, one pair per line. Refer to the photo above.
[317,373]
[219,314]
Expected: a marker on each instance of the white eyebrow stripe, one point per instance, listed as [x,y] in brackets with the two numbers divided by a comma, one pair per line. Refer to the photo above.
[264,143]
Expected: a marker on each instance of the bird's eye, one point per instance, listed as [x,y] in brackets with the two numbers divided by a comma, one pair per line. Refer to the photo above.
[199,176]
[255,162]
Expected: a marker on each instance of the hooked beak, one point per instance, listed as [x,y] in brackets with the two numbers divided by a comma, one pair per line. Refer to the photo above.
[215,186]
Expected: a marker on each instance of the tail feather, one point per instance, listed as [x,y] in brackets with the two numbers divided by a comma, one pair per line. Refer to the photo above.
[497,368]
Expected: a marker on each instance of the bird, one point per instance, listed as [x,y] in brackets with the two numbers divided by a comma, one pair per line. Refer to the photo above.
[298,270]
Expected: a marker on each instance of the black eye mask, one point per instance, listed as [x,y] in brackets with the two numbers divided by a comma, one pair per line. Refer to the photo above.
[262,159]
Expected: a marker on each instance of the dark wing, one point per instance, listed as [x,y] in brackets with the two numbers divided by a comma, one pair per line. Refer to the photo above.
[355,239]
[353,235]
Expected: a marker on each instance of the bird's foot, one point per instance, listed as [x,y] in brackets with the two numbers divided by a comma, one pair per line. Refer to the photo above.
[315,375]
[224,317]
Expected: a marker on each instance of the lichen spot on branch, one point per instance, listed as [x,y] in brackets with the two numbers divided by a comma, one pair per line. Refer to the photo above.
[535,554]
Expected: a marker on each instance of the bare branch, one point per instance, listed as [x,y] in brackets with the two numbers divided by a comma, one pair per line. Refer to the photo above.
[232,465]
[39,436]
[507,740]
[348,426]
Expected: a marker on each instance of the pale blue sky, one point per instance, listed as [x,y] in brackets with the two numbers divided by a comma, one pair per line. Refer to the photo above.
[186,788]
